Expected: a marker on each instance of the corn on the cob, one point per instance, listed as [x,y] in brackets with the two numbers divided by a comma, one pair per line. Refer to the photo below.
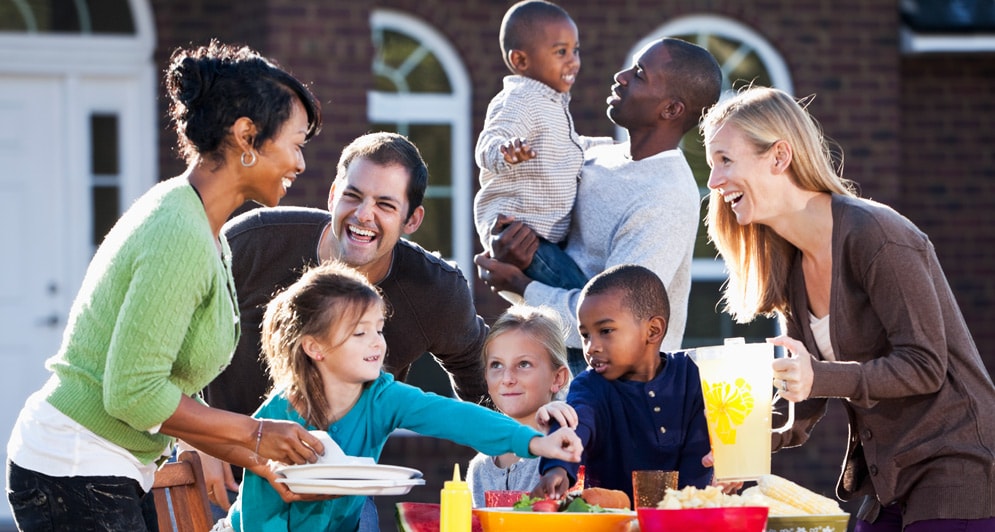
[776,507]
[787,491]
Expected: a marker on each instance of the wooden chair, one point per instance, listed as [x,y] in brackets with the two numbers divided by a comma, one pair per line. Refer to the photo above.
[186,504]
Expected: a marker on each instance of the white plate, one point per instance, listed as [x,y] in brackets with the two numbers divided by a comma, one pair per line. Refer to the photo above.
[351,487]
[348,471]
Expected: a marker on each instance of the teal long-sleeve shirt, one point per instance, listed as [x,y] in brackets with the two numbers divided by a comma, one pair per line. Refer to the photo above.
[384,405]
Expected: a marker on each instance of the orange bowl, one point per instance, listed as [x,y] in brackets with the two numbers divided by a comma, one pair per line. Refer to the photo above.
[735,519]
[508,520]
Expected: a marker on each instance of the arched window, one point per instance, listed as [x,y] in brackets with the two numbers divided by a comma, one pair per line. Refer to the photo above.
[423,91]
[745,58]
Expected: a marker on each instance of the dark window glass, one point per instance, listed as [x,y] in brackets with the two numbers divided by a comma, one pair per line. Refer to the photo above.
[104,152]
[402,64]
[949,16]
[105,170]
[67,16]
[106,210]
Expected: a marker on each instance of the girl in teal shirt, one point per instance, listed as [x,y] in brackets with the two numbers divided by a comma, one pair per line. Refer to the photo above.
[323,342]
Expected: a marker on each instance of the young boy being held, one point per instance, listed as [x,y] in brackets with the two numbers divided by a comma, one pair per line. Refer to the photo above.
[637,408]
[528,152]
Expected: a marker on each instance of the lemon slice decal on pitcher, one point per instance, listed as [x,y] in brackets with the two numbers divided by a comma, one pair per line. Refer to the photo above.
[727,405]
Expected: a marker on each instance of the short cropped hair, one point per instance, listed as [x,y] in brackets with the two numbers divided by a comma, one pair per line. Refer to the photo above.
[384,148]
[643,293]
[521,23]
[695,77]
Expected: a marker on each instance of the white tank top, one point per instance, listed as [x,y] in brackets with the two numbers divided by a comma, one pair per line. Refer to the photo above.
[820,330]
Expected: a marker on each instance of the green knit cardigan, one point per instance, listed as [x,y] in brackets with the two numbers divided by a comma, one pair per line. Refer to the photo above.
[155,319]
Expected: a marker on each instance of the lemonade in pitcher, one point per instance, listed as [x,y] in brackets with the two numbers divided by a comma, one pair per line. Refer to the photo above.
[736,384]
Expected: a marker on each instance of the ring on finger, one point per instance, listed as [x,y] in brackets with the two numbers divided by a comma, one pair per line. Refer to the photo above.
[784,385]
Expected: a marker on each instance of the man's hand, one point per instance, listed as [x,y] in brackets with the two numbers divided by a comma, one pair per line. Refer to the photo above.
[517,151]
[513,242]
[500,276]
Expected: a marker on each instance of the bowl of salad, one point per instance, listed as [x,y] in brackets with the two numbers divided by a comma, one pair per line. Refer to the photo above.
[545,515]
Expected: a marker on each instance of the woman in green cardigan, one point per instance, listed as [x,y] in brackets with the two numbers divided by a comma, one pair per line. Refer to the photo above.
[155,319]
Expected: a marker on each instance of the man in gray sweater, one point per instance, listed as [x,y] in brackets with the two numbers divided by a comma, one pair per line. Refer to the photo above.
[637,201]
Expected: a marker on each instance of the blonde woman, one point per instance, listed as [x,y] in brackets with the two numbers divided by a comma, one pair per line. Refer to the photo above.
[869,318]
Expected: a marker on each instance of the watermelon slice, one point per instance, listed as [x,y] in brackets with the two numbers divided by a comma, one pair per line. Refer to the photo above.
[423,517]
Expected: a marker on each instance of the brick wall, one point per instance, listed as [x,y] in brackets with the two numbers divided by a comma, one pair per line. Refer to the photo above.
[948,176]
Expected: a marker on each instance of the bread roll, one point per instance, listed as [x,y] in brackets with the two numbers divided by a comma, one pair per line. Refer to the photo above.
[606,498]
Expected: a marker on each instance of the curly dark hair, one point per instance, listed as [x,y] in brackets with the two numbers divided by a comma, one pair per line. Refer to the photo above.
[210,87]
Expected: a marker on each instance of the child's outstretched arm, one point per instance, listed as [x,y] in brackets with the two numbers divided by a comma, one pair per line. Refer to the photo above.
[558,411]
[553,484]
[560,445]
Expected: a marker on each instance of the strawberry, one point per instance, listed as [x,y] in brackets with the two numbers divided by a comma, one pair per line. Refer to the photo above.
[546,505]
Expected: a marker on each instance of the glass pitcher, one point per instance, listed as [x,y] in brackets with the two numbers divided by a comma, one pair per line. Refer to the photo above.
[736,383]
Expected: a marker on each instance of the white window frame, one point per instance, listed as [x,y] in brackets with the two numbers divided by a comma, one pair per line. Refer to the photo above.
[452,109]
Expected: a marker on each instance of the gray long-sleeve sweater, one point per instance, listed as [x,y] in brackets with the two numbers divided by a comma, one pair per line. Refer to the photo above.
[631,212]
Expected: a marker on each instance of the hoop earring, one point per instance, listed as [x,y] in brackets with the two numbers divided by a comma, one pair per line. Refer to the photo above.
[252,159]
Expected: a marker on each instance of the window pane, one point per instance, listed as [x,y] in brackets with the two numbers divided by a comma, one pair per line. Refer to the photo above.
[111,16]
[104,171]
[433,141]
[401,64]
[104,152]
[106,203]
[67,16]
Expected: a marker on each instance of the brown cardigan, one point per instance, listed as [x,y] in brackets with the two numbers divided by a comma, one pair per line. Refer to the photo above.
[920,403]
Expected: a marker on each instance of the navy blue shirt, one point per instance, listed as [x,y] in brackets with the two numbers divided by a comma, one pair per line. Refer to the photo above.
[628,426]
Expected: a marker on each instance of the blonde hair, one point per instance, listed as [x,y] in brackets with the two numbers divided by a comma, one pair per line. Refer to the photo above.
[543,326]
[326,302]
[757,258]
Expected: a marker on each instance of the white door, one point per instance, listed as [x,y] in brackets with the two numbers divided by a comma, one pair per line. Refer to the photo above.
[34,288]
[74,152]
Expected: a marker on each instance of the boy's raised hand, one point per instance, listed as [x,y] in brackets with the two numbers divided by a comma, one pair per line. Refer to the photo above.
[558,411]
[552,485]
[564,444]
[517,151]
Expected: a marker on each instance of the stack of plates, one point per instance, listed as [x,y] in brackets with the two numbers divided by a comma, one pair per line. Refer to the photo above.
[356,478]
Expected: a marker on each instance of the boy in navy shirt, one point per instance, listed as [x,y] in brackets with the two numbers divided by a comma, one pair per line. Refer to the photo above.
[637,408]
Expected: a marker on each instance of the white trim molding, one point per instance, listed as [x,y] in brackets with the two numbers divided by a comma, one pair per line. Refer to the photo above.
[925,43]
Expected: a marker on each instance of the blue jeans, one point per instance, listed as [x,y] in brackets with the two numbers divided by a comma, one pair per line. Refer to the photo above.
[553,267]
[369,520]
[44,503]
